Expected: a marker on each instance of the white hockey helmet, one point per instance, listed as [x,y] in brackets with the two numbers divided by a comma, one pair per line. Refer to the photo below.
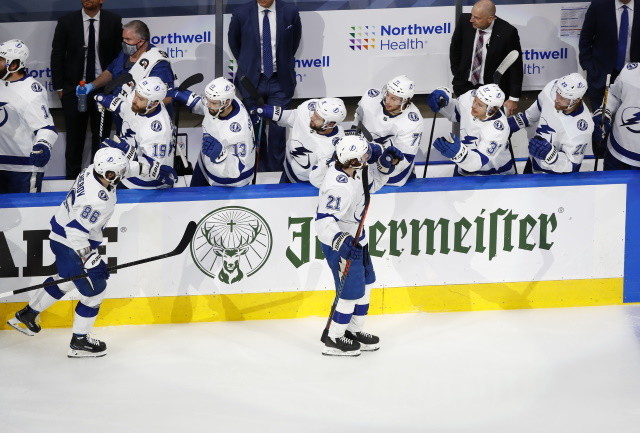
[152,89]
[402,87]
[11,50]
[352,147]
[111,159]
[220,89]
[572,87]
[491,95]
[332,110]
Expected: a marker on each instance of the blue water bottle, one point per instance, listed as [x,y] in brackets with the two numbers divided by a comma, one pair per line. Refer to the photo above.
[82,97]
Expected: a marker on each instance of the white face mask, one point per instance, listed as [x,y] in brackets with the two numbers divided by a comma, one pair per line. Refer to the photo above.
[129,50]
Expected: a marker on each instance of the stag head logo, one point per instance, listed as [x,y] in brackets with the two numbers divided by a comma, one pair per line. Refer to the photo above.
[231,243]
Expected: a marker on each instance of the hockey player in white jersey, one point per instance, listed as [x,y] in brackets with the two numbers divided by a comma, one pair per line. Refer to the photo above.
[392,119]
[227,157]
[147,134]
[623,105]
[482,147]
[27,133]
[340,209]
[563,126]
[314,130]
[76,233]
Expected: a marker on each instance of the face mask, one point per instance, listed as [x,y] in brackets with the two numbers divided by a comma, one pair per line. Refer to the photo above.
[129,50]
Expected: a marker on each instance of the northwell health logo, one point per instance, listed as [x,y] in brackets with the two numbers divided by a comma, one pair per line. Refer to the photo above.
[362,37]
[389,37]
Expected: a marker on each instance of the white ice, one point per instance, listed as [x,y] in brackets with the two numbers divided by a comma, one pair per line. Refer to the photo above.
[550,370]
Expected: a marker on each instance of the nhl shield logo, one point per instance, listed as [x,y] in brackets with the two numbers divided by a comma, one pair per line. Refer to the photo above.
[231,243]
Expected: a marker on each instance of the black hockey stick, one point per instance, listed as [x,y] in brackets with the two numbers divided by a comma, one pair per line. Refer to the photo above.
[182,165]
[441,103]
[117,82]
[603,110]
[257,99]
[497,76]
[184,242]
[343,277]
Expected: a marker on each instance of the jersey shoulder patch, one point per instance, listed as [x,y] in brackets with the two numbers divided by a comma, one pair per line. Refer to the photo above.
[498,125]
[413,116]
[631,66]
[36,87]
[582,125]
[342,178]
[373,93]
[311,106]
[156,126]
[235,127]
[102,195]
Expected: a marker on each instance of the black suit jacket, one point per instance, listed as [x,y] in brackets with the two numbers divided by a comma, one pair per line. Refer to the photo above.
[599,40]
[504,39]
[67,48]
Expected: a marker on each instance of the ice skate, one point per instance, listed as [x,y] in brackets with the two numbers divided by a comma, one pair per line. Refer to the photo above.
[341,346]
[83,346]
[368,342]
[25,321]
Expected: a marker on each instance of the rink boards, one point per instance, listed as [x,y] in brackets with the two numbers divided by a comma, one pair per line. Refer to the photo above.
[507,242]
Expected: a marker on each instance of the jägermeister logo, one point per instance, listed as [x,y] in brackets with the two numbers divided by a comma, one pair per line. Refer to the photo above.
[231,243]
[500,231]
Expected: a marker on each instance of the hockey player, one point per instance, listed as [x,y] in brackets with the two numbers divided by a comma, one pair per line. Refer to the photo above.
[623,144]
[227,157]
[315,128]
[563,126]
[27,133]
[147,134]
[392,119]
[340,209]
[482,148]
[76,233]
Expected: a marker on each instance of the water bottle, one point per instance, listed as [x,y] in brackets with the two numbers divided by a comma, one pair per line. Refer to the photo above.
[82,98]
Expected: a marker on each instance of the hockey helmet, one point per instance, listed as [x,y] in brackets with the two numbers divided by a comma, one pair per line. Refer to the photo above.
[220,89]
[491,95]
[11,50]
[152,89]
[402,87]
[352,147]
[571,87]
[332,110]
[110,159]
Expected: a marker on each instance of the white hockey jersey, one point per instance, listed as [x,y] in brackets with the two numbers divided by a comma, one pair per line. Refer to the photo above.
[152,135]
[570,134]
[305,147]
[24,120]
[235,165]
[486,139]
[80,219]
[403,131]
[341,202]
[624,104]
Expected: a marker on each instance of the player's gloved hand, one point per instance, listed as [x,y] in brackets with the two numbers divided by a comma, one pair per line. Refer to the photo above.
[211,147]
[343,243]
[389,158]
[185,97]
[517,122]
[163,173]
[451,148]
[601,127]
[375,151]
[107,102]
[40,154]
[88,87]
[95,266]
[437,99]
[542,149]
[119,143]
[272,112]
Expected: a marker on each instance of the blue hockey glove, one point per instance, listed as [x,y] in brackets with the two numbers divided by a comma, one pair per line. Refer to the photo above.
[88,87]
[119,143]
[437,99]
[390,157]
[517,122]
[375,151]
[600,131]
[167,175]
[451,148]
[270,112]
[343,243]
[184,97]
[40,155]
[542,149]
[95,266]
[108,102]
[211,147]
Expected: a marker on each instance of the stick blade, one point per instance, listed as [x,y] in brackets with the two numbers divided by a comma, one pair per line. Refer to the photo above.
[191,81]
[117,82]
[506,63]
[186,238]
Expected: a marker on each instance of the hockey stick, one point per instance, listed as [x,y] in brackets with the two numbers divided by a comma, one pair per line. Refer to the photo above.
[433,127]
[257,99]
[185,167]
[117,82]
[184,242]
[603,109]
[497,76]
[343,277]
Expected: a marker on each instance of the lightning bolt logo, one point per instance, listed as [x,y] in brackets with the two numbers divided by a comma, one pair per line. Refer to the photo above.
[299,153]
[383,140]
[4,116]
[545,129]
[631,116]
[469,139]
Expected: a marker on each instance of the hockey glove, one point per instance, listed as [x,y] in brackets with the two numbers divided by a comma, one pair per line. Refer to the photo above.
[389,158]
[517,122]
[343,243]
[270,112]
[163,173]
[88,88]
[541,149]
[451,148]
[184,97]
[437,99]
[601,128]
[40,154]
[119,143]
[375,151]
[108,102]
[95,266]
[211,147]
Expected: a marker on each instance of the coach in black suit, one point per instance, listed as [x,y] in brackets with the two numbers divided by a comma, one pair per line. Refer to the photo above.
[274,79]
[599,43]
[487,50]
[69,54]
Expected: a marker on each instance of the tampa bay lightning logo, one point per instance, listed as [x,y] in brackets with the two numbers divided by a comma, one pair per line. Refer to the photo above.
[498,125]
[631,117]
[4,115]
[582,125]
[103,195]
[544,129]
[156,126]
[469,140]
[341,178]
[413,116]
[311,106]
[631,66]
[36,87]
[373,93]
[235,127]
[300,155]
